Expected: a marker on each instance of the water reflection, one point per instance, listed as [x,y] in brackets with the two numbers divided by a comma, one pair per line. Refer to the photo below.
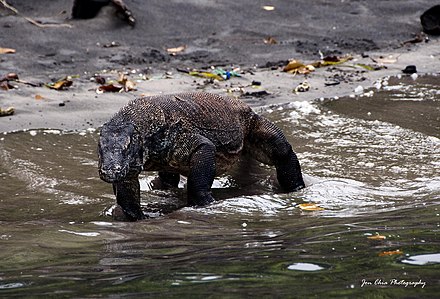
[371,174]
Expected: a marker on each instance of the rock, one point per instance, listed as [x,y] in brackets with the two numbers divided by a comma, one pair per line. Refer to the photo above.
[430,20]
[410,69]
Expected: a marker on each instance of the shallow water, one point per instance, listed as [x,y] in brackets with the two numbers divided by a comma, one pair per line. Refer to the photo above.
[372,166]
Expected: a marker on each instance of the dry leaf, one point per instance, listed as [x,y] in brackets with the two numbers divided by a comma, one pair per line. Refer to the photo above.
[310,207]
[7,51]
[293,65]
[388,253]
[377,237]
[109,88]
[206,75]
[268,7]
[39,97]
[127,84]
[60,85]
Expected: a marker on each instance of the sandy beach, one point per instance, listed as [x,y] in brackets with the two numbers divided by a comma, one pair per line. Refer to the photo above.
[253,39]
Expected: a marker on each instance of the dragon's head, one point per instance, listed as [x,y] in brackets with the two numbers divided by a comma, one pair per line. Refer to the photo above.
[119,152]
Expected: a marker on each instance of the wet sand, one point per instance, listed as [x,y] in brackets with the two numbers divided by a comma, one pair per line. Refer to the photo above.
[227,34]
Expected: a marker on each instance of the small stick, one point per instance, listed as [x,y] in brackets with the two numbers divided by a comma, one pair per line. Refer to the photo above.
[32,21]
[6,5]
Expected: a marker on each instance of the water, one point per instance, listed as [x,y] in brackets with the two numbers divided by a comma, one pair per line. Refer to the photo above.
[369,163]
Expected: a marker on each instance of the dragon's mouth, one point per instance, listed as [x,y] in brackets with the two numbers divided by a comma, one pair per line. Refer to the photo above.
[112,175]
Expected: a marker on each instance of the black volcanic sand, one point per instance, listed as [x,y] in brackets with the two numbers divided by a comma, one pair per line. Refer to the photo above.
[215,33]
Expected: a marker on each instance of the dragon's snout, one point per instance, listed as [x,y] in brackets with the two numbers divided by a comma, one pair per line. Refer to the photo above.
[112,174]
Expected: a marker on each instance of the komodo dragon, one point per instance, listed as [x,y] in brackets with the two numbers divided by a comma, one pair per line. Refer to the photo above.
[198,135]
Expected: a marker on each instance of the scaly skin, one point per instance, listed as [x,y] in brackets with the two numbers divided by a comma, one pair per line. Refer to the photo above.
[198,135]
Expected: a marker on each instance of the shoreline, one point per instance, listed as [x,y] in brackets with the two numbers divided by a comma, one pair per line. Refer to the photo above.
[80,107]
[194,34]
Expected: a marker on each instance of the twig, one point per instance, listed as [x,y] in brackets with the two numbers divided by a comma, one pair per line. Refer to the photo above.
[6,5]
[32,21]
[38,24]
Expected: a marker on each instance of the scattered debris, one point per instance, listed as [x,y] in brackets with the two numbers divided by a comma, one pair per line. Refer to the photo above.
[430,20]
[359,89]
[369,67]
[207,75]
[332,83]
[6,5]
[414,76]
[109,88]
[128,85]
[268,7]
[270,41]
[332,60]
[388,253]
[390,59]
[177,50]
[4,81]
[123,84]
[418,38]
[7,112]
[310,207]
[9,77]
[303,87]
[255,94]
[7,51]
[376,237]
[297,67]
[5,85]
[98,79]
[410,69]
[218,74]
[46,24]
[62,84]
[256,83]
[113,44]
[226,75]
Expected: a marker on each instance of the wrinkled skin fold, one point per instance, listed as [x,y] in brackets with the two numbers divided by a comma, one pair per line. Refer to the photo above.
[197,135]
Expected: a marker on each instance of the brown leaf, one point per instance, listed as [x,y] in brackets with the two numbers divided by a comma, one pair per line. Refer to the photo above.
[60,85]
[109,88]
[39,97]
[310,207]
[388,253]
